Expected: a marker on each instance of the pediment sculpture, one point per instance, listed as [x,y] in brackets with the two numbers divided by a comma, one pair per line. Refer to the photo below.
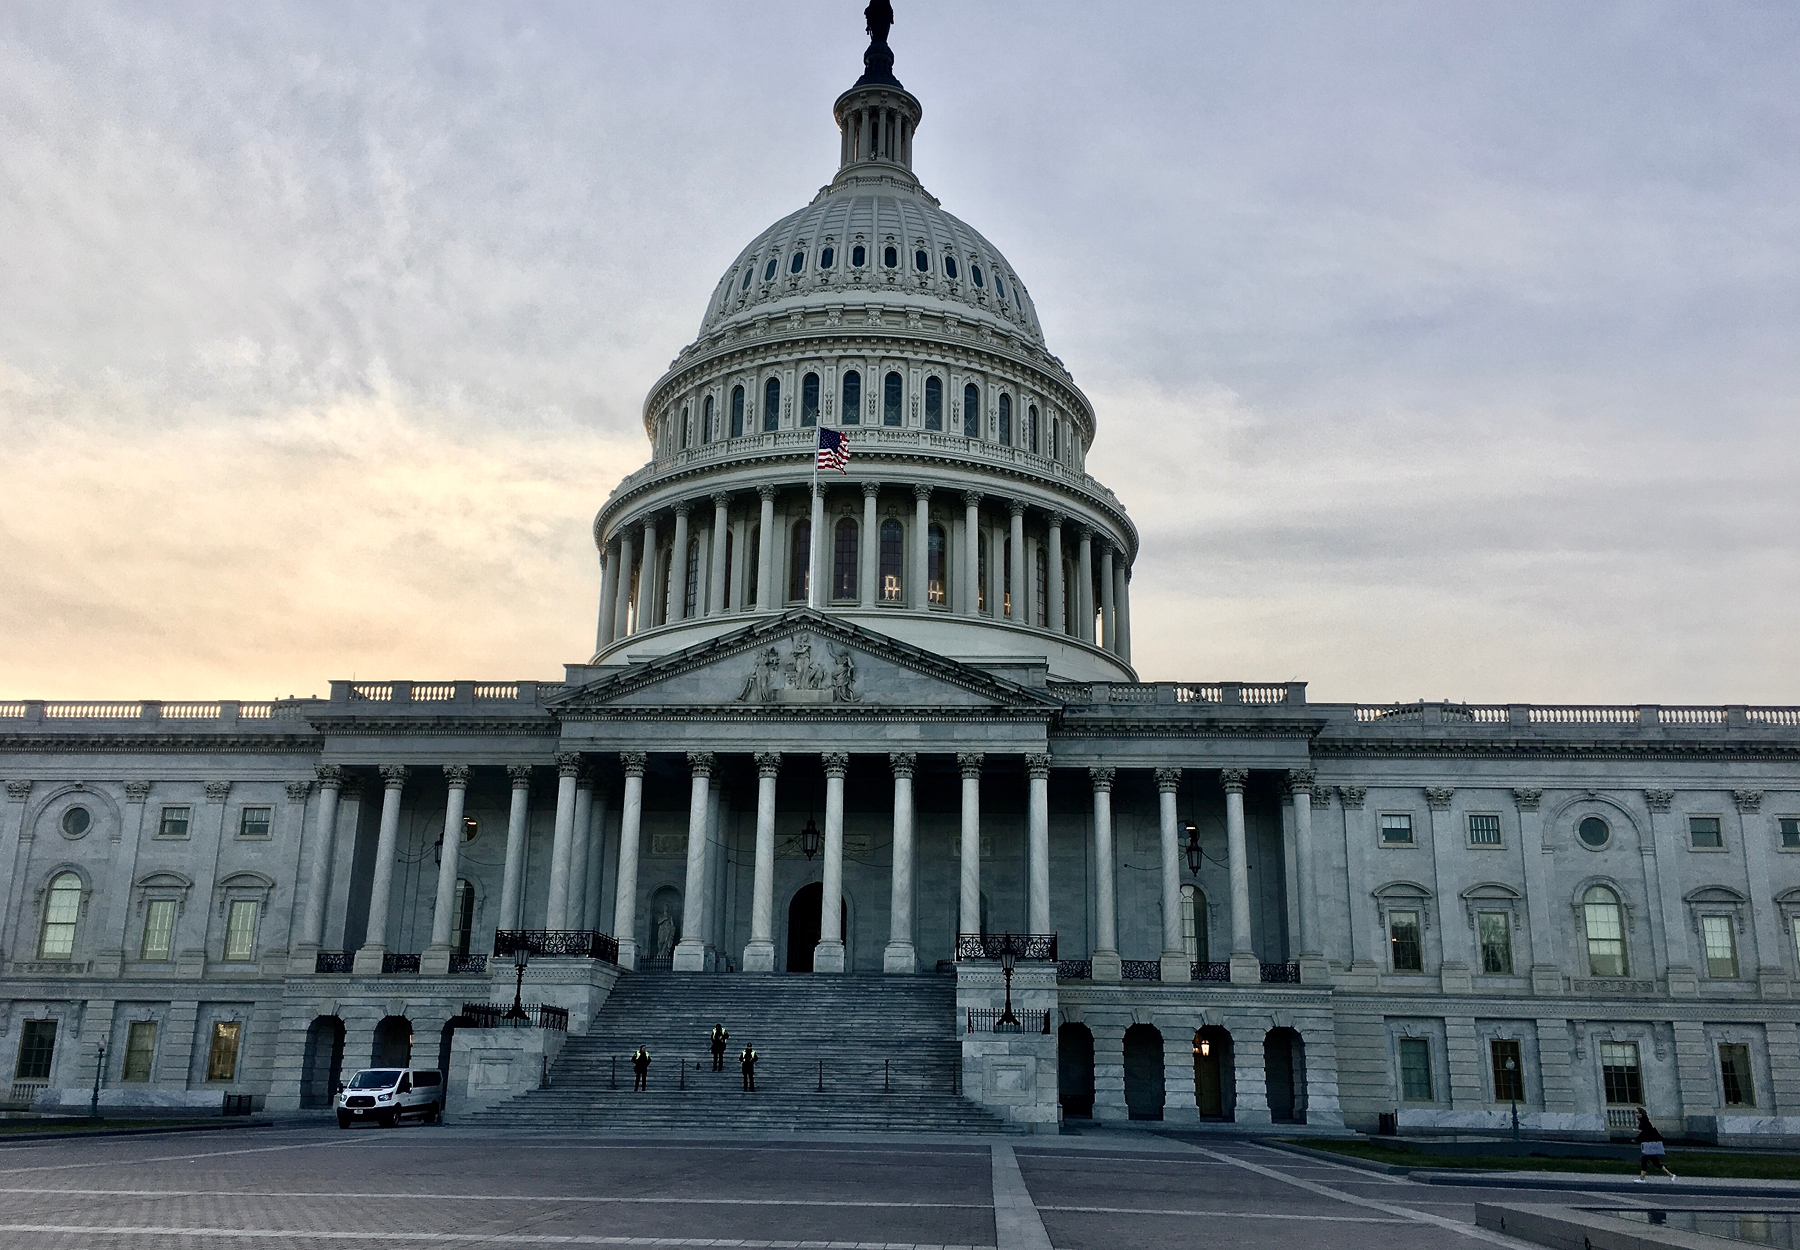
[799,678]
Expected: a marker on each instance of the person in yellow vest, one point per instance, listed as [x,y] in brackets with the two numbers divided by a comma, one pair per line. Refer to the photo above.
[640,1066]
[747,1061]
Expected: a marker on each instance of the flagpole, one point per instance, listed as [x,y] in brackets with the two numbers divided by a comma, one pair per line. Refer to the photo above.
[812,542]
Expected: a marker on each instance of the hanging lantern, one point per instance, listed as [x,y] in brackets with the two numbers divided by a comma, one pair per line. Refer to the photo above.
[810,839]
[1193,849]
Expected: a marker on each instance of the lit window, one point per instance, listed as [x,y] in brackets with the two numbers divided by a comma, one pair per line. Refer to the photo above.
[1605,932]
[1508,1068]
[981,568]
[799,559]
[1734,1076]
[890,399]
[798,263]
[159,929]
[221,1058]
[1396,829]
[843,563]
[690,601]
[1006,420]
[1415,1069]
[935,550]
[922,261]
[255,822]
[934,404]
[1006,575]
[174,822]
[771,417]
[950,267]
[852,411]
[1721,947]
[1403,940]
[1621,1075]
[37,1046]
[1704,831]
[858,257]
[975,273]
[971,411]
[1593,833]
[76,821]
[809,399]
[890,257]
[893,550]
[1790,833]
[62,910]
[1496,943]
[140,1050]
[769,270]
[827,258]
[1484,830]
[240,931]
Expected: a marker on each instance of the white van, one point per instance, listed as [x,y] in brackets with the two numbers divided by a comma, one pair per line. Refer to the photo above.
[385,1094]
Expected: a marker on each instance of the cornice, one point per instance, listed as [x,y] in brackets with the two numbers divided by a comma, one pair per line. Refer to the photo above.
[833,713]
[542,725]
[163,743]
[1076,726]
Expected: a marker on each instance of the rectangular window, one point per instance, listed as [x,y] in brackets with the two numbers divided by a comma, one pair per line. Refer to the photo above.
[175,822]
[240,931]
[221,1059]
[1484,829]
[1509,1069]
[1734,1075]
[1703,831]
[1415,1069]
[844,559]
[934,404]
[809,399]
[1790,833]
[140,1050]
[1403,938]
[1496,943]
[1623,1078]
[159,929]
[255,822]
[37,1046]
[1396,829]
[1721,947]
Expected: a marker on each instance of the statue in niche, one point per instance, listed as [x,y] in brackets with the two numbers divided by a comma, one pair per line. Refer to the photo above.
[664,945]
[843,678]
[803,673]
[759,686]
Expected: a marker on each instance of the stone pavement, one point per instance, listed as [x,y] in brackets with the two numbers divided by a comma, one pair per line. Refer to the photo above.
[307,1187]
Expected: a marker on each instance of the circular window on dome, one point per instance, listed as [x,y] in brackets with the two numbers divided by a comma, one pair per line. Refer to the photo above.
[922,261]
[826,257]
[890,257]
[859,256]
[950,267]
[769,270]
[76,821]
[975,273]
[1593,833]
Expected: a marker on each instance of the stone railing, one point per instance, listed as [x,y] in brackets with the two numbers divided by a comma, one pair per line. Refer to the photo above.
[438,693]
[1532,715]
[1172,693]
[143,711]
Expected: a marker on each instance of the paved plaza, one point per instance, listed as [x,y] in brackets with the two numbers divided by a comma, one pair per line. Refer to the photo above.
[446,1186]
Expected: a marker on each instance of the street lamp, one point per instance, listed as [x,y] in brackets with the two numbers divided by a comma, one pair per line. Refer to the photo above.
[1193,849]
[809,838]
[99,1071]
[1512,1087]
[521,957]
[1007,959]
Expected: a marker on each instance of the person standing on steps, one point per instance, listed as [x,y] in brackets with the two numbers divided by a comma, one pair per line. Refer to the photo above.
[640,1067]
[719,1038]
[1650,1148]
[747,1061]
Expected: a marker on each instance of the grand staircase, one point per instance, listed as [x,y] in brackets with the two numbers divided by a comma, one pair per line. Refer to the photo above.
[838,1054]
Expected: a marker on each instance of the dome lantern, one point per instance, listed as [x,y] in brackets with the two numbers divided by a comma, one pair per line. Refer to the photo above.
[877,116]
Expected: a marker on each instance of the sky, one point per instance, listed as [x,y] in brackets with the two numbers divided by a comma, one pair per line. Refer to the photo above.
[1440,350]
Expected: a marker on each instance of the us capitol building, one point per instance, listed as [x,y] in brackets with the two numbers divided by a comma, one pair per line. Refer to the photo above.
[886,728]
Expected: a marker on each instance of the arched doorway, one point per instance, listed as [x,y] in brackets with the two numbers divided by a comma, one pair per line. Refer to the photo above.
[323,1066]
[1213,1080]
[445,1040]
[393,1043]
[1144,1072]
[803,926]
[1284,1066]
[1075,1070]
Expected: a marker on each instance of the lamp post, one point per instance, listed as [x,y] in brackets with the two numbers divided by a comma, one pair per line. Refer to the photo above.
[1193,850]
[1512,1087]
[521,957]
[99,1071]
[1007,959]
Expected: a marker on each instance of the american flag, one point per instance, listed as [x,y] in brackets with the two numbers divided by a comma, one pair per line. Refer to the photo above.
[834,452]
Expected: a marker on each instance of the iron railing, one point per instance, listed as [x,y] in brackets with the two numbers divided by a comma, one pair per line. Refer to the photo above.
[1210,970]
[397,961]
[994,945]
[476,964]
[992,1020]
[1281,974]
[1140,970]
[557,944]
[537,1015]
[334,961]
[1074,969]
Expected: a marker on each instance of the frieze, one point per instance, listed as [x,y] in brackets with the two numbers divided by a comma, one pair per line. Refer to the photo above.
[800,678]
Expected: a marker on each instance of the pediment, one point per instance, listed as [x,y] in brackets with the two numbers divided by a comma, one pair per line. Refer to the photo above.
[804,663]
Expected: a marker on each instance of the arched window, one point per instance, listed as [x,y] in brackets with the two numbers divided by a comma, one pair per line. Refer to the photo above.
[798,263]
[852,411]
[749,273]
[737,411]
[936,550]
[1043,589]
[1605,932]
[971,411]
[981,570]
[1055,439]
[893,551]
[707,433]
[799,559]
[1193,923]
[999,286]
[1006,420]
[975,273]
[727,604]
[753,568]
[62,909]
[769,270]
[685,424]
[843,564]
[922,261]
[462,915]
[772,404]
[950,266]
[858,256]
[934,404]
[809,399]
[827,258]
[890,257]
[690,601]
[1031,429]
[890,399]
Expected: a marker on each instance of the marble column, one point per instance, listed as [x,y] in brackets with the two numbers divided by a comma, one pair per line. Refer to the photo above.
[1106,929]
[675,608]
[1246,969]
[817,591]
[690,952]
[1122,608]
[631,817]
[868,566]
[1037,769]
[513,880]
[759,952]
[580,836]
[435,961]
[368,958]
[1084,590]
[969,912]
[318,878]
[1109,623]
[765,551]
[589,916]
[971,579]
[901,954]
[1059,621]
[828,955]
[721,526]
[609,591]
[1174,945]
[921,561]
[622,608]
[556,907]
[1017,583]
[1313,968]
[646,604]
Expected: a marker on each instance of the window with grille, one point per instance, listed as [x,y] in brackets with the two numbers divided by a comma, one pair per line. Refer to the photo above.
[1509,1081]
[935,550]
[1619,1072]
[686,427]
[240,931]
[890,399]
[843,563]
[809,399]
[1193,923]
[1721,947]
[1495,928]
[1605,933]
[1043,589]
[1790,833]
[771,415]
[1403,940]
[1734,1076]
[1415,1069]
[255,822]
[62,912]
[707,433]
[222,1056]
[1005,434]
[934,404]
[852,396]
[159,929]
[1484,829]
[690,600]
[893,552]
[37,1047]
[971,411]
[1396,829]
[737,411]
[140,1050]
[175,821]
[1031,429]
[800,560]
[1704,832]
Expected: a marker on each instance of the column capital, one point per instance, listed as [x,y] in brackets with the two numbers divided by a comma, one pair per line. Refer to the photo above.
[393,776]
[1054,519]
[1037,767]
[1658,800]
[138,791]
[721,498]
[836,763]
[1438,798]
[1085,534]
[649,525]
[1749,802]
[297,791]
[871,489]
[634,762]
[971,499]
[1301,780]
[700,763]
[1016,507]
[331,776]
[921,492]
[568,764]
[1352,797]
[768,763]
[217,791]
[684,508]
[1234,779]
[457,776]
[18,791]
[520,774]
[970,763]
[1102,779]
[1168,780]
[584,780]
[903,763]
[766,494]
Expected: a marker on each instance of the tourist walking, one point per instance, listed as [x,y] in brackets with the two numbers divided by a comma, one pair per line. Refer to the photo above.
[640,1067]
[719,1038]
[747,1061]
[1650,1148]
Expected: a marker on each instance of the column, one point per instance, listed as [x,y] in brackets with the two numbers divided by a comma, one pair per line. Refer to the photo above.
[580,836]
[1084,592]
[609,590]
[715,592]
[971,579]
[1246,969]
[622,589]
[1058,617]
[1765,920]
[690,952]
[631,816]
[436,959]
[556,909]
[318,877]
[1174,948]
[816,591]
[868,566]
[901,955]
[676,606]
[1017,584]
[1109,624]
[1122,607]
[765,552]
[368,958]
[1105,951]
[1678,956]
[646,604]
[759,952]
[513,882]
[125,842]
[1037,769]
[921,595]
[969,912]
[1313,968]
[589,916]
[828,955]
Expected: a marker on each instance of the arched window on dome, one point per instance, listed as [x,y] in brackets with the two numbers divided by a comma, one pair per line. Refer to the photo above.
[1042,590]
[771,417]
[934,403]
[922,260]
[827,257]
[975,273]
[859,256]
[893,552]
[809,399]
[798,263]
[737,411]
[62,912]
[890,257]
[691,601]
[1031,429]
[769,270]
[1006,420]
[843,563]
[971,411]
[949,266]
[999,285]
[686,425]
[707,432]
[981,570]
[749,273]
[799,559]
[851,413]
[890,399]
[1055,439]
[753,568]
[937,585]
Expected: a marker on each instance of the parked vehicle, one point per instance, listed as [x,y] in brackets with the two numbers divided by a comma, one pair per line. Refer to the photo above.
[384,1095]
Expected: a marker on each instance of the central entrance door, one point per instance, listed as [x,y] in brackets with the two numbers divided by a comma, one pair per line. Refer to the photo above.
[803,925]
